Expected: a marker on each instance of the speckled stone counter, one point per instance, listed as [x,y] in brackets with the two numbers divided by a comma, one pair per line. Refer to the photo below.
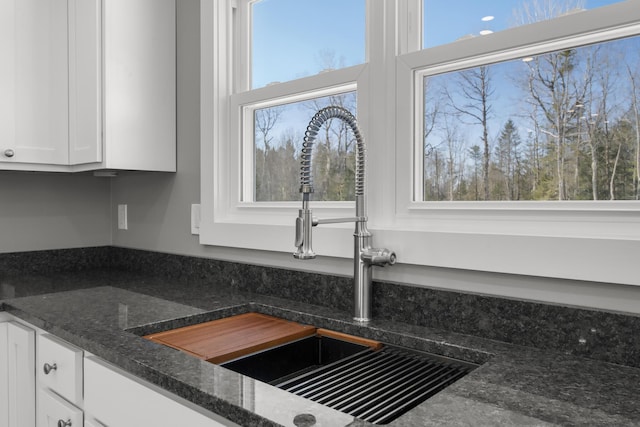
[104,311]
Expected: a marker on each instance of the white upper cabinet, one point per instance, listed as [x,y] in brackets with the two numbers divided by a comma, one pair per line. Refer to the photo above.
[139,84]
[34,82]
[87,85]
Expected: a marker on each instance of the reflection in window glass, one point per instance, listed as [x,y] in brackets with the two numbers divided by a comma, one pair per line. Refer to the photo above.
[279,132]
[443,21]
[298,38]
[558,126]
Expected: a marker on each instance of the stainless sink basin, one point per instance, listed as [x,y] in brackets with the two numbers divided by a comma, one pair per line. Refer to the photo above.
[293,359]
[373,384]
[367,379]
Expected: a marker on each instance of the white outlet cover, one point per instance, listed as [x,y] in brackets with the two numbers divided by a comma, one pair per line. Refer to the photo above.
[195,219]
[122,217]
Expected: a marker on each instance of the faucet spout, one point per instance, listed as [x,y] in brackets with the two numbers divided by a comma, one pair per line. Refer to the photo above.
[365,257]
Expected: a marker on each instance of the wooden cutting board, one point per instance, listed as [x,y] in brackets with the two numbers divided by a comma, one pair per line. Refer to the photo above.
[225,339]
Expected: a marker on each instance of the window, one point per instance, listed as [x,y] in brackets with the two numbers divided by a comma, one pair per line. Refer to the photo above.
[560,125]
[277,143]
[420,212]
[287,86]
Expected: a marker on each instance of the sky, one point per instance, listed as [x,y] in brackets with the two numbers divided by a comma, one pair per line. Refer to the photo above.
[293,38]
[443,25]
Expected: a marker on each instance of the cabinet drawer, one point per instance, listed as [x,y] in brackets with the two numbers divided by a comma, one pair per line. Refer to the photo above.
[54,411]
[59,367]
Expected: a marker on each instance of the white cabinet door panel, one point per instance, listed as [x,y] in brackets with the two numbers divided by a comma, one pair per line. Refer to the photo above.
[140,84]
[4,374]
[22,380]
[34,120]
[85,81]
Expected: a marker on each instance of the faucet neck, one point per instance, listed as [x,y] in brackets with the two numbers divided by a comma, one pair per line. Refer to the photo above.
[306,179]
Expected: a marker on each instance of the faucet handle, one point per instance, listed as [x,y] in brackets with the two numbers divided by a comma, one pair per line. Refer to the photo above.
[299,232]
[304,222]
[379,257]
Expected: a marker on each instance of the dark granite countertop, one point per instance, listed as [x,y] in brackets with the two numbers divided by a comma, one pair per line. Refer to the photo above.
[104,311]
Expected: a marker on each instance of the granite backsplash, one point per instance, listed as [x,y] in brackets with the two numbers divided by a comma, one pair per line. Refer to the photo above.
[601,335]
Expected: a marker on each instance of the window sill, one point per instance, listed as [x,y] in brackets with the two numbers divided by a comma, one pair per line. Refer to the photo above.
[596,249]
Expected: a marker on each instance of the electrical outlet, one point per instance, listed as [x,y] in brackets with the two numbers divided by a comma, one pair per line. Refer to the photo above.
[122,217]
[195,219]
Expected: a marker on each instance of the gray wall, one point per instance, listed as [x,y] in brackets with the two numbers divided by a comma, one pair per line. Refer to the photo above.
[158,204]
[41,211]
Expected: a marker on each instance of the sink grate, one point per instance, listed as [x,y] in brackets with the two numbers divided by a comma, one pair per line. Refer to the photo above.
[378,386]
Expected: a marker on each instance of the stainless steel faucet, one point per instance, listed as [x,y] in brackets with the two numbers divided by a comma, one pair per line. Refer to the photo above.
[365,257]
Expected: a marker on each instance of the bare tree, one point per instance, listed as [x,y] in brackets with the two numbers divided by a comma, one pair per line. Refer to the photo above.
[635,114]
[432,108]
[549,81]
[556,91]
[454,146]
[264,121]
[476,156]
[530,11]
[473,102]
[508,159]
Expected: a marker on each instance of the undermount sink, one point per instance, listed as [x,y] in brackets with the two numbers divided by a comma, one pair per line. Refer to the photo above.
[295,358]
[367,379]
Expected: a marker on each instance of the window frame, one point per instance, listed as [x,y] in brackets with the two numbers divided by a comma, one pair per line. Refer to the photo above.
[227,220]
[524,238]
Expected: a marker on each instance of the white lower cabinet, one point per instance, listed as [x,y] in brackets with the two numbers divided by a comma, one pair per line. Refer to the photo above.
[17,375]
[59,383]
[59,367]
[54,411]
[72,389]
[118,399]
[4,374]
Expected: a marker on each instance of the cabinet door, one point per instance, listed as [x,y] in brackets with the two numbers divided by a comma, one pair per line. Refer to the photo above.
[140,84]
[34,82]
[120,400]
[85,81]
[21,379]
[54,411]
[4,374]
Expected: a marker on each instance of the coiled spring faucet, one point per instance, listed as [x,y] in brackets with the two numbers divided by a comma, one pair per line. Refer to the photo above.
[365,257]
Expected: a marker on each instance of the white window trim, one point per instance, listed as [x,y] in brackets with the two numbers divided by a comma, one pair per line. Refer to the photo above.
[594,241]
